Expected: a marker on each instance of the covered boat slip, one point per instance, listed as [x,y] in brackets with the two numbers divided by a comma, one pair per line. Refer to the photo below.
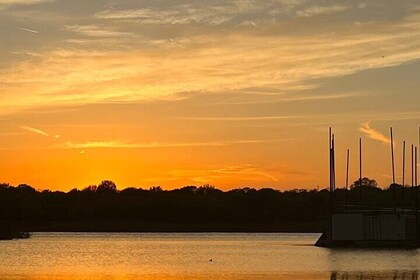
[372,221]
[384,227]
[371,229]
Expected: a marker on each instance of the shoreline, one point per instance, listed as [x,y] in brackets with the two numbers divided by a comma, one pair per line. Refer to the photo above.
[133,227]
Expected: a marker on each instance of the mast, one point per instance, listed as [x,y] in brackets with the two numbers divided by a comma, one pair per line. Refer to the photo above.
[403,174]
[333,162]
[360,169]
[332,166]
[412,165]
[403,165]
[330,150]
[393,171]
[415,197]
[347,172]
[415,181]
[415,169]
[392,159]
[414,189]
[329,154]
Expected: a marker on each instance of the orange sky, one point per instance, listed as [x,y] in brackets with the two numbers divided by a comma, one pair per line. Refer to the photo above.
[231,93]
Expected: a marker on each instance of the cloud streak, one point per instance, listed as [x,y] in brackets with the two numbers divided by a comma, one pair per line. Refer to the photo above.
[28,30]
[124,145]
[34,130]
[374,134]
[183,14]
[262,118]
[22,2]
[249,172]
[94,31]
[321,10]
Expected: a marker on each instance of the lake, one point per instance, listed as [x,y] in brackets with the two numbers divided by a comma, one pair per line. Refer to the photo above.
[229,256]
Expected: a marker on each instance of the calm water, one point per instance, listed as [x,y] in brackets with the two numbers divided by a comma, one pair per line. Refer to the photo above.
[186,256]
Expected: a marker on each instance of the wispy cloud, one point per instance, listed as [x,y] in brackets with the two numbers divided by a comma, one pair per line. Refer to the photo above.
[243,170]
[186,13]
[374,134]
[202,12]
[28,30]
[95,31]
[34,130]
[23,2]
[321,10]
[248,172]
[124,145]
[262,118]
[176,16]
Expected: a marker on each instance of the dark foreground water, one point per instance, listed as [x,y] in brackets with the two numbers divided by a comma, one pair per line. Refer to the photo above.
[187,256]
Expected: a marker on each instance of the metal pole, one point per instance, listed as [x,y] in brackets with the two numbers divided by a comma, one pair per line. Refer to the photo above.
[403,167]
[347,173]
[416,187]
[415,194]
[360,169]
[393,171]
[329,232]
[415,197]
[333,161]
[329,152]
[415,179]
[412,165]
[403,175]
[415,167]
[392,159]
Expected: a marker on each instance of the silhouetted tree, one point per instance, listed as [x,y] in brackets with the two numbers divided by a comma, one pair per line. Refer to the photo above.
[4,186]
[91,188]
[156,189]
[106,186]
[366,182]
[25,188]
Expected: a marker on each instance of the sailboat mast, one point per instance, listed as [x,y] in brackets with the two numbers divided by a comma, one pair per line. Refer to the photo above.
[394,191]
[332,167]
[403,166]
[360,169]
[403,174]
[412,165]
[392,159]
[347,173]
[333,162]
[415,167]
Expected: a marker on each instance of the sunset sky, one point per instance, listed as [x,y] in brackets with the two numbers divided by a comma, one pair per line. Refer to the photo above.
[231,93]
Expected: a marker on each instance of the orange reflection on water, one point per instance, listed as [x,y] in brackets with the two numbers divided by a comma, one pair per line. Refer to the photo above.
[396,275]
[163,276]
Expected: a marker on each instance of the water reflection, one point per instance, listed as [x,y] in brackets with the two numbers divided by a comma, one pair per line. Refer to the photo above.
[396,262]
[148,256]
[403,275]
[394,275]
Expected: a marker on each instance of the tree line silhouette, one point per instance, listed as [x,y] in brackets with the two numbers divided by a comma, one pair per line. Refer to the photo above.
[105,208]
